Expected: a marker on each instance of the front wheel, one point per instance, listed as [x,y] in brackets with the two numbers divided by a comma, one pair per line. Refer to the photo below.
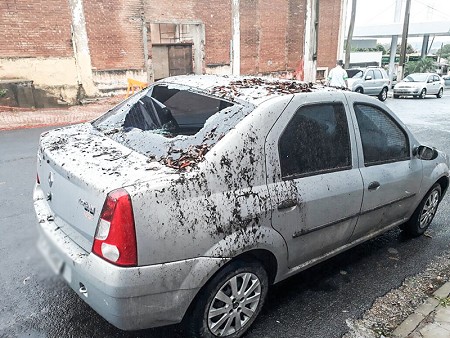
[359,90]
[424,214]
[440,93]
[423,93]
[383,95]
[229,302]
[396,96]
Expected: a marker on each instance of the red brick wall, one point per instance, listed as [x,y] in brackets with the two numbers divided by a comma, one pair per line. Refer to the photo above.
[38,28]
[114,29]
[329,24]
[271,35]
[215,14]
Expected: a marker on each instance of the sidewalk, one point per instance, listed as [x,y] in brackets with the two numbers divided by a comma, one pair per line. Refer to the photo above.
[18,118]
[431,319]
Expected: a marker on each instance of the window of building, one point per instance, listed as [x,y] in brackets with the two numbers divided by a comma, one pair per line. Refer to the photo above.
[315,141]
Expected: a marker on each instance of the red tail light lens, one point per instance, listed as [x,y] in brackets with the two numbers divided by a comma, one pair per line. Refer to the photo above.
[115,238]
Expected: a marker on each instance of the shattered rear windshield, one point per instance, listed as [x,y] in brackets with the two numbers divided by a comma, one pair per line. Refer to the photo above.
[167,121]
[168,110]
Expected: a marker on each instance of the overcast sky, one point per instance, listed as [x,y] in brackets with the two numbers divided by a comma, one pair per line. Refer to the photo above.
[376,12]
[372,12]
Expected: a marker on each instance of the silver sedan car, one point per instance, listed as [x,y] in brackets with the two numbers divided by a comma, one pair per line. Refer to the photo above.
[418,85]
[187,200]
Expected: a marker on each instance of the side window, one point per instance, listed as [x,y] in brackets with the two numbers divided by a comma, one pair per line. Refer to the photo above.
[377,73]
[382,139]
[316,140]
[436,78]
[370,73]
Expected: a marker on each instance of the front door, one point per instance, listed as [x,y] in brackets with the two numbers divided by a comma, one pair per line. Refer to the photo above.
[314,183]
[392,177]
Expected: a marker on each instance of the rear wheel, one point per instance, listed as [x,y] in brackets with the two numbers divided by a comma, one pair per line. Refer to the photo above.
[440,93]
[423,93]
[424,214]
[229,302]
[383,95]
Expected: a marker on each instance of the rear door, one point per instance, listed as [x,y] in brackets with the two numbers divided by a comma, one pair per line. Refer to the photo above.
[391,176]
[370,87]
[313,179]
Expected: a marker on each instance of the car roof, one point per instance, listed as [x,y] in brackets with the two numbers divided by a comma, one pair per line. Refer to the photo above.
[250,89]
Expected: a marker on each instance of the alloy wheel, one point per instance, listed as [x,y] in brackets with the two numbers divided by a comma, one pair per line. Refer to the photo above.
[429,209]
[234,304]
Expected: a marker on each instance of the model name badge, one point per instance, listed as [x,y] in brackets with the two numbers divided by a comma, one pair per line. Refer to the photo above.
[87,207]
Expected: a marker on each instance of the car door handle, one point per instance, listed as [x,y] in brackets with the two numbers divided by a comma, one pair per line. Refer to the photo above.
[374,185]
[286,204]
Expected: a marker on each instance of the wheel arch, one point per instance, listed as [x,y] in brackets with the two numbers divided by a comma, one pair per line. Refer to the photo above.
[444,183]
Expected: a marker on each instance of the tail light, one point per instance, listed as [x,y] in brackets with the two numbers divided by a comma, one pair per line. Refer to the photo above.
[115,238]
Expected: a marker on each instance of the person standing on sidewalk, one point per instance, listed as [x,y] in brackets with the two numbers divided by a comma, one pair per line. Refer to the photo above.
[338,76]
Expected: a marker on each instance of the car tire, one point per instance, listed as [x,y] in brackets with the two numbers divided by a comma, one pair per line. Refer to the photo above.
[424,214]
[359,90]
[423,93]
[383,94]
[231,319]
[396,96]
[440,93]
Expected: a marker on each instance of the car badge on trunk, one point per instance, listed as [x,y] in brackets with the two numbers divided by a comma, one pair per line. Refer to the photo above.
[89,209]
[50,179]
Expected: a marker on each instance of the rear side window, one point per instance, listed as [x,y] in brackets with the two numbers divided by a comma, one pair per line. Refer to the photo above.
[382,139]
[316,140]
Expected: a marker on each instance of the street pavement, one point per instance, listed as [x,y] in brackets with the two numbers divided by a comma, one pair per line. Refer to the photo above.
[432,320]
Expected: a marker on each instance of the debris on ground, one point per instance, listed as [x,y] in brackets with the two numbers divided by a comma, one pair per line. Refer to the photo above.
[390,310]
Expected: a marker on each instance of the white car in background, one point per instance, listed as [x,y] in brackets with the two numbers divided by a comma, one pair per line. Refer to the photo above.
[418,85]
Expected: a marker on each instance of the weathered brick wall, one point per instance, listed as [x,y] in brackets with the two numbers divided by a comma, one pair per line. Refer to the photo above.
[114,29]
[215,14]
[271,35]
[329,25]
[38,28]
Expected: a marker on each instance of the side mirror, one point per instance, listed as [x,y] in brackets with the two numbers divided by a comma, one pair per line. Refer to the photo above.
[368,77]
[425,153]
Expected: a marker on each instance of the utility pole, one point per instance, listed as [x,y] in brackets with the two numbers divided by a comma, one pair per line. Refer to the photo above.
[394,40]
[236,38]
[311,40]
[401,70]
[348,44]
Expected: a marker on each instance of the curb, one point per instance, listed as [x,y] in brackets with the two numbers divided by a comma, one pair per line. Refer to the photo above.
[410,324]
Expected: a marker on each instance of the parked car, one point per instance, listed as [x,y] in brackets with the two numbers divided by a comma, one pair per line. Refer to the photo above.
[419,85]
[187,200]
[371,81]
[446,79]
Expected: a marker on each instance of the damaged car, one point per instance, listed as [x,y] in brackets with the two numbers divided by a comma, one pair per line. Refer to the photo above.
[186,201]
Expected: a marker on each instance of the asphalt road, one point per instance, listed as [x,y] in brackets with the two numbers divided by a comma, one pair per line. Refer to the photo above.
[315,303]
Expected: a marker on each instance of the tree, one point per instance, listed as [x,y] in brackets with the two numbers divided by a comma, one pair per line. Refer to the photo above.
[378,48]
[409,49]
[424,65]
[444,52]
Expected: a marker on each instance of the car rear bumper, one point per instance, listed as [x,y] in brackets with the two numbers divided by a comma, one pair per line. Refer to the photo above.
[130,298]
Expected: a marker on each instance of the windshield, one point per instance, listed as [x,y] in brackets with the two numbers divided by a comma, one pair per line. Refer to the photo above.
[355,73]
[167,120]
[416,78]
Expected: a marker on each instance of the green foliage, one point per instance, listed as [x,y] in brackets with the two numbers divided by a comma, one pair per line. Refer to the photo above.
[444,52]
[424,65]
[378,48]
[3,92]
[409,49]
[444,301]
